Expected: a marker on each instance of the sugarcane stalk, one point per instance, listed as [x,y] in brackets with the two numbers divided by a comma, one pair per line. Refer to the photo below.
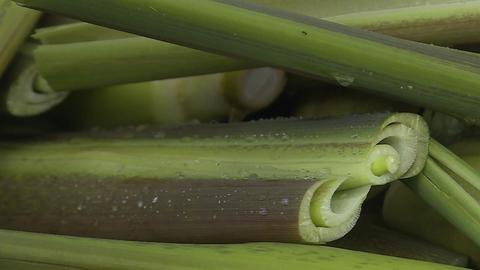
[439,78]
[267,150]
[182,211]
[202,98]
[405,211]
[93,254]
[16,23]
[452,187]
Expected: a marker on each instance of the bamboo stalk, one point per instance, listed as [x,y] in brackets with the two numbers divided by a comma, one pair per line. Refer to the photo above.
[16,23]
[438,78]
[205,98]
[95,254]
[371,149]
[182,211]
[405,211]
[451,187]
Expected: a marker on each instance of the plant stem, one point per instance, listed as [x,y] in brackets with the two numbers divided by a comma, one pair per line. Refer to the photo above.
[452,188]
[405,211]
[202,98]
[267,150]
[96,254]
[439,78]
[182,211]
[16,23]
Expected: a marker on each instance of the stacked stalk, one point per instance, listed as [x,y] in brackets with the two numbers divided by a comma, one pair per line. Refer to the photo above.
[16,23]
[405,211]
[192,183]
[22,250]
[452,187]
[439,78]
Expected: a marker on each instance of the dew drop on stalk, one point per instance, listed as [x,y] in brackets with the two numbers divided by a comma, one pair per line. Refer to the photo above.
[344,80]
[140,204]
[263,211]
[155,200]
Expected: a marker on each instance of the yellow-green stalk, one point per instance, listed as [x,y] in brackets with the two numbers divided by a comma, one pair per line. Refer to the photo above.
[452,187]
[405,211]
[95,254]
[16,23]
[429,76]
[206,98]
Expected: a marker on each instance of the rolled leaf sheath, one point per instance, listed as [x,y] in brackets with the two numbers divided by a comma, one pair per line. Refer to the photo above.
[96,254]
[16,23]
[434,77]
[371,149]
[181,211]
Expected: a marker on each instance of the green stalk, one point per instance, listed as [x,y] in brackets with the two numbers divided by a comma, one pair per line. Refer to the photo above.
[439,78]
[405,211]
[371,149]
[77,32]
[206,98]
[16,23]
[373,237]
[442,22]
[84,66]
[451,187]
[181,211]
[469,150]
[95,254]
[334,101]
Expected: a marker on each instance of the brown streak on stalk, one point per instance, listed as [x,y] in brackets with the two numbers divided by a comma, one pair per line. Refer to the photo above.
[183,211]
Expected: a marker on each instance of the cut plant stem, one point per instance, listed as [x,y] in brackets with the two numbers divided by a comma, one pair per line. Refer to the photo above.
[96,254]
[182,211]
[267,150]
[452,187]
[439,78]
[16,23]
[203,98]
[405,211]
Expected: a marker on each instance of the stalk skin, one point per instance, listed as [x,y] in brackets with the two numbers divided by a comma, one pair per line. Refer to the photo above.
[95,254]
[434,77]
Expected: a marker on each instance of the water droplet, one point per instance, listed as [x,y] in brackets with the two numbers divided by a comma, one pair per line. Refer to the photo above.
[282,213]
[159,135]
[263,211]
[214,217]
[189,200]
[114,208]
[155,200]
[344,80]
[285,201]
[410,87]
[140,204]
[79,207]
